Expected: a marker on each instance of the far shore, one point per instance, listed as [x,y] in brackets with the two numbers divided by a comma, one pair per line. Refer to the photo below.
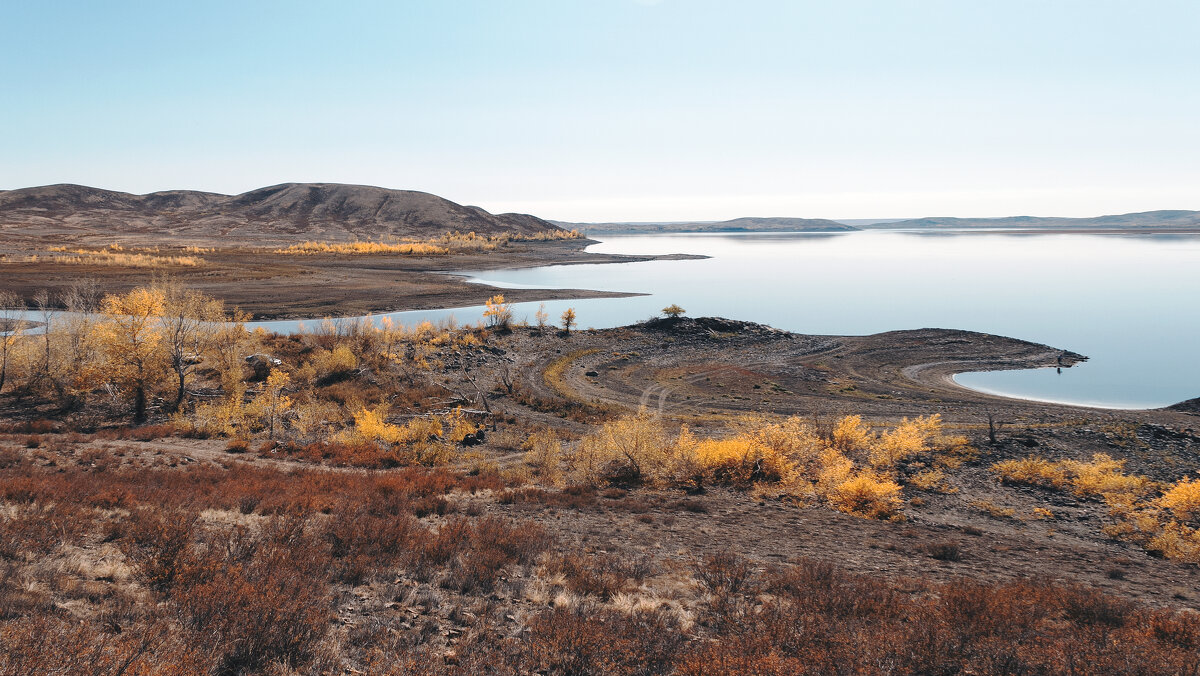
[274,287]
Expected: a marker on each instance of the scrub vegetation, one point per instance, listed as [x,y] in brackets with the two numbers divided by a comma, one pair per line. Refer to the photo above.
[451,242]
[179,494]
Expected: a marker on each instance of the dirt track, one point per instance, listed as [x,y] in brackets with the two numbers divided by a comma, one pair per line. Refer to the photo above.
[702,372]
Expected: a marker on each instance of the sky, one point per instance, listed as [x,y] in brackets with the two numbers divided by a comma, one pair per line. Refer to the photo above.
[623,110]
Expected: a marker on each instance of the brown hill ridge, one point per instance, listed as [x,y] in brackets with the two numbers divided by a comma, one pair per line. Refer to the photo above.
[287,212]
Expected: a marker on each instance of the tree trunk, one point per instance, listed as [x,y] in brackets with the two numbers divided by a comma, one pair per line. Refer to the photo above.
[181,391]
[139,404]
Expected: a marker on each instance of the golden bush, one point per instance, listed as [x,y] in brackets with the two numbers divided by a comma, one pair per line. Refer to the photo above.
[850,436]
[544,453]
[634,449]
[1104,476]
[1182,499]
[867,494]
[739,461]
[1032,471]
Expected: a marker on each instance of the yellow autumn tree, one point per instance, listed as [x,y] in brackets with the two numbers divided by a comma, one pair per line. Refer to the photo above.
[190,322]
[78,350]
[132,339]
[272,404]
[497,313]
[673,311]
[225,349]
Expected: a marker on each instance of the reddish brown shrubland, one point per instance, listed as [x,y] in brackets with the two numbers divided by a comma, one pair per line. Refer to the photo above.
[225,597]
[601,576]
[253,588]
[28,427]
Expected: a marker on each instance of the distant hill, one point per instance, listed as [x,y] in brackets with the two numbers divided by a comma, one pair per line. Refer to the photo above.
[280,213]
[1148,220]
[735,225]
[1144,220]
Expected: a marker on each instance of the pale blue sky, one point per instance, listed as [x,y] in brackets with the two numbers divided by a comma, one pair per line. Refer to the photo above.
[619,109]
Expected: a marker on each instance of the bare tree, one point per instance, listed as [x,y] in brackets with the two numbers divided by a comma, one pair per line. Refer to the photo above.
[190,323]
[12,323]
[506,376]
[48,314]
[993,427]
[81,301]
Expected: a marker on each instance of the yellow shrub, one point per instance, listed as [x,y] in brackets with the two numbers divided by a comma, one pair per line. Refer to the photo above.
[1042,513]
[634,448]
[994,510]
[221,419]
[341,359]
[1177,542]
[1103,476]
[1032,471]
[790,455]
[931,480]
[851,436]
[364,248]
[460,427]
[109,258]
[543,452]
[908,438]
[417,430]
[835,470]
[739,461]
[370,425]
[1146,522]
[869,495]
[1182,499]
[311,418]
[792,439]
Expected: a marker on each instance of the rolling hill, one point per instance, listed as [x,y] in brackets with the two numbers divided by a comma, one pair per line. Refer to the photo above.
[1147,220]
[1172,219]
[282,213]
[748,224]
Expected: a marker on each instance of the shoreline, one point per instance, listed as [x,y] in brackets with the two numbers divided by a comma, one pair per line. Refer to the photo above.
[283,288]
[685,369]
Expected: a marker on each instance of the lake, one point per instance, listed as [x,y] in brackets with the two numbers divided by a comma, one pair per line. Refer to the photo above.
[1131,303]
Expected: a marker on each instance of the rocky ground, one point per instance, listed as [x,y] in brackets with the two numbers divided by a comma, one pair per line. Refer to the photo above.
[705,372]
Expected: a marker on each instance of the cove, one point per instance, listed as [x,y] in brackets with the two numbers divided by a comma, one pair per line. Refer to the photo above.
[1131,303]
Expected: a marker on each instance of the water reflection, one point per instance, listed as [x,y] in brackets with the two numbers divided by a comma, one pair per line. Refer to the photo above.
[1117,299]
[1131,303]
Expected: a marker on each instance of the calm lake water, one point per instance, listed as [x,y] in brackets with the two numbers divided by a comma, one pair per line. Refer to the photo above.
[1130,303]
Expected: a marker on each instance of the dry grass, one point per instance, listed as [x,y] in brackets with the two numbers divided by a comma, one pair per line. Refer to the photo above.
[451,242]
[109,257]
[1161,518]
[363,248]
[851,468]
